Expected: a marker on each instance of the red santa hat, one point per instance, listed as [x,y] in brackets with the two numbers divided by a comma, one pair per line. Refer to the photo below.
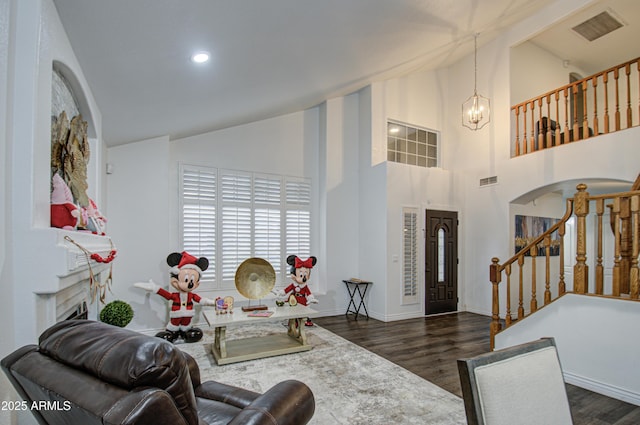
[187,261]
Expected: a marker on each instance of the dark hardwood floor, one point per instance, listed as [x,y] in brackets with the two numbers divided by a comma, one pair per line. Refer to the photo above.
[430,346]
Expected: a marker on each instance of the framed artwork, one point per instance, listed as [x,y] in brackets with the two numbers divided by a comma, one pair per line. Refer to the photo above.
[530,227]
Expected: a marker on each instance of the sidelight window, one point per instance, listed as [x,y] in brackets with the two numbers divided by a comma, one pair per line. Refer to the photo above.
[410,256]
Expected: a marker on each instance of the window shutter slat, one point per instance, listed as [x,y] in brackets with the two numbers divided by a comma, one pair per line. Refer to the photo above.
[410,256]
[298,193]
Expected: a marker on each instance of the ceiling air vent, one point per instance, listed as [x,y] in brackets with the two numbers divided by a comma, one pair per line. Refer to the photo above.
[487,181]
[599,25]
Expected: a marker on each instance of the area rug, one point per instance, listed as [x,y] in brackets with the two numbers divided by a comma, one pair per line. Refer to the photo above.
[351,385]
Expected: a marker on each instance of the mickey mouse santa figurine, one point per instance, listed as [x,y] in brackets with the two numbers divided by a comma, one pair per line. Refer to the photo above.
[298,292]
[186,271]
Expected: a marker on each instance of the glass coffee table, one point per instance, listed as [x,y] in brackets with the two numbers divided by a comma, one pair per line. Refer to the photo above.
[238,350]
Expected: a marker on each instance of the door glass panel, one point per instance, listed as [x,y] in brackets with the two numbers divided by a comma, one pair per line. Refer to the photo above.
[440,254]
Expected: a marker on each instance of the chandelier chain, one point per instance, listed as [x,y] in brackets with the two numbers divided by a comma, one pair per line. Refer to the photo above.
[477,109]
[475,63]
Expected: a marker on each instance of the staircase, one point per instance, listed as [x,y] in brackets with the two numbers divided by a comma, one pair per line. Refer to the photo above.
[599,244]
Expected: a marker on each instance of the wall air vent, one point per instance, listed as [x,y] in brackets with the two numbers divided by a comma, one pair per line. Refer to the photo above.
[599,25]
[488,181]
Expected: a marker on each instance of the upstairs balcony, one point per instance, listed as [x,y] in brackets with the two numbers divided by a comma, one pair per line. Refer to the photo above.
[602,103]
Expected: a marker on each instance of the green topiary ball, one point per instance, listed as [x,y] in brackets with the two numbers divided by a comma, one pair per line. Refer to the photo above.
[117,313]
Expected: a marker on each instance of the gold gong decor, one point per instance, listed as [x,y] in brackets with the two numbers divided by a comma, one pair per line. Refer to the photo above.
[255,278]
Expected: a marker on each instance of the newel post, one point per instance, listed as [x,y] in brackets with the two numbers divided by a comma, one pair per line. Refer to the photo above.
[635,251]
[580,269]
[494,276]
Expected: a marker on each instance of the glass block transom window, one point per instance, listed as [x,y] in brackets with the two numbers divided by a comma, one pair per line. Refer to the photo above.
[408,144]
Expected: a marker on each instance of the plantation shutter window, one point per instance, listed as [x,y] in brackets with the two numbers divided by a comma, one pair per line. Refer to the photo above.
[268,220]
[410,256]
[298,218]
[199,215]
[229,216]
[236,223]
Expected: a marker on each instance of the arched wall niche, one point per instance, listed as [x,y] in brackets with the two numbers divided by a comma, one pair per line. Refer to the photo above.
[78,95]
[567,189]
[550,201]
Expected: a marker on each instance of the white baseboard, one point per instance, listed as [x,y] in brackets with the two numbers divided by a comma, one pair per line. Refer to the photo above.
[326,313]
[405,316]
[417,314]
[602,388]
[330,312]
[477,311]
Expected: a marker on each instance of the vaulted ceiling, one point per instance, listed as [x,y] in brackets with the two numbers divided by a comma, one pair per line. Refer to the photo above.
[267,57]
[564,40]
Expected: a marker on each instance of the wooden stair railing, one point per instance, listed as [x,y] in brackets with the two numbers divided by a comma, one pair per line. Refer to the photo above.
[579,208]
[626,241]
[602,103]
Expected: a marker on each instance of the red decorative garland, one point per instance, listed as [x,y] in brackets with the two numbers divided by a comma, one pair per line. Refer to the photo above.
[97,257]
[97,289]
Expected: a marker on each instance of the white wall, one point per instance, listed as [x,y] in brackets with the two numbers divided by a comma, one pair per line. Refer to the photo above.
[140,223]
[37,38]
[320,143]
[31,38]
[416,99]
[535,71]
[6,286]
[596,340]
[6,282]
[340,205]
[372,238]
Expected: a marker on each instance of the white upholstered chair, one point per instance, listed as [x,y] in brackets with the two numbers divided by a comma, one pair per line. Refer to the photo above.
[518,385]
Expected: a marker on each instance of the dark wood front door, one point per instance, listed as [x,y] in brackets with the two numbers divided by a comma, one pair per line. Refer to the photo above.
[441,262]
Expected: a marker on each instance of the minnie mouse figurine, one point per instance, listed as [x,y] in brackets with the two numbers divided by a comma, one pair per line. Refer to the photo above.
[186,271]
[298,292]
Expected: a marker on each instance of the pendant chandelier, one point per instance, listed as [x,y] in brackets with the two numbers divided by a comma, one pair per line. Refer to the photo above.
[476,111]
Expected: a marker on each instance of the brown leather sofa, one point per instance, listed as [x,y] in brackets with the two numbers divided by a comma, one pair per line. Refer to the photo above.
[85,372]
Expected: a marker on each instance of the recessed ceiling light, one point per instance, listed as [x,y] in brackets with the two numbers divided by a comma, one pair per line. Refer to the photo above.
[200,57]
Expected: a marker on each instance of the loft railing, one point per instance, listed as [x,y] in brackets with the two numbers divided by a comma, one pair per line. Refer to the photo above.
[619,241]
[599,104]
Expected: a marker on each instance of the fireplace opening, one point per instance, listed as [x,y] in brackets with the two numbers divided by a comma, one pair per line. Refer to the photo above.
[81,312]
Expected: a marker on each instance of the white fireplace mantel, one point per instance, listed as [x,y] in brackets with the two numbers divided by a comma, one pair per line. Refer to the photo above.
[67,262]
[68,285]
